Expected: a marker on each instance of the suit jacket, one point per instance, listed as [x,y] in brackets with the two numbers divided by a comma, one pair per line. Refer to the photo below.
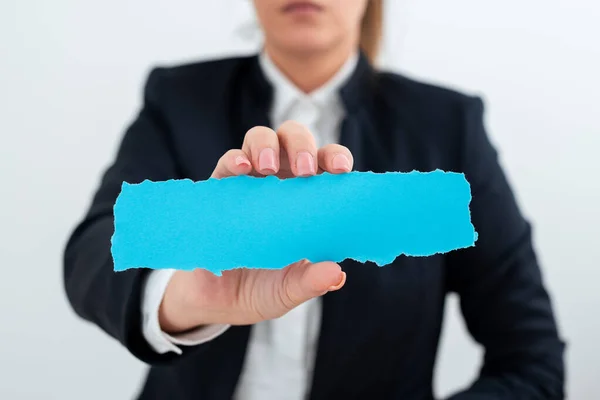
[194,113]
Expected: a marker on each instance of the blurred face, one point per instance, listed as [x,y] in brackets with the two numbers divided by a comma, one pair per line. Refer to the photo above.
[301,26]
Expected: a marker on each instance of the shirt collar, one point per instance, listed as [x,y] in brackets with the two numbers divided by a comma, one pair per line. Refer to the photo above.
[286,93]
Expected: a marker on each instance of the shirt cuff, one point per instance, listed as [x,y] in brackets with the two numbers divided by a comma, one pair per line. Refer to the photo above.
[152,294]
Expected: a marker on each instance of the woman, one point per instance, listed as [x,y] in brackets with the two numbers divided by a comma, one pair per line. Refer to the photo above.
[318,331]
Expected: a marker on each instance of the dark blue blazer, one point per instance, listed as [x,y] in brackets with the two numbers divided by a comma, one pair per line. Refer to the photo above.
[380,333]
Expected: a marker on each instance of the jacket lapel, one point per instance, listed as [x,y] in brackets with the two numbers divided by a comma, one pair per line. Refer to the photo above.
[252,106]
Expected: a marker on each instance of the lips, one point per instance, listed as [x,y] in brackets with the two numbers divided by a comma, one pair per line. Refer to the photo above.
[302,6]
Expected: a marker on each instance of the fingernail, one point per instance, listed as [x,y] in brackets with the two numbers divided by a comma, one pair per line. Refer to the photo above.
[239,160]
[266,160]
[341,162]
[305,163]
[340,284]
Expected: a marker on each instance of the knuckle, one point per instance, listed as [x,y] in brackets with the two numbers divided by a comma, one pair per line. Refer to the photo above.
[256,135]
[230,154]
[294,134]
[259,132]
[221,163]
[285,292]
[286,298]
[291,126]
[254,131]
[330,148]
[338,148]
[294,129]
[227,158]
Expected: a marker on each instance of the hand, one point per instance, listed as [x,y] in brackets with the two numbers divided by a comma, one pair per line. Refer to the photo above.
[246,296]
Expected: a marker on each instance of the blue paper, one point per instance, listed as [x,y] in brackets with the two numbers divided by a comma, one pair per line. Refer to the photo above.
[270,223]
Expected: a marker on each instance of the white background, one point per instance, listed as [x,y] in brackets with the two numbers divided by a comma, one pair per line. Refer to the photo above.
[70,76]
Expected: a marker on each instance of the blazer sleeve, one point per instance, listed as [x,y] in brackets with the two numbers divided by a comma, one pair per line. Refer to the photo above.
[109,299]
[502,295]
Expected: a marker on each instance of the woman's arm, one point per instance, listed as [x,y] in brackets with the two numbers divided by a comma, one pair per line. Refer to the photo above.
[112,300]
[502,294]
[97,293]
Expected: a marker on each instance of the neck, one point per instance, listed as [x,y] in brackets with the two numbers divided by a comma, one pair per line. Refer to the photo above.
[309,71]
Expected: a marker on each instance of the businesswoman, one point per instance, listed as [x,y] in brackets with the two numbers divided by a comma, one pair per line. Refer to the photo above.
[312,101]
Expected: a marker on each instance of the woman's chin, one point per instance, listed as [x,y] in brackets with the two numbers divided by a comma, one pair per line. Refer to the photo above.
[307,46]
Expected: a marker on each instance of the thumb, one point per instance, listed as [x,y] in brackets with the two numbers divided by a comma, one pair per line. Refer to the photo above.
[305,280]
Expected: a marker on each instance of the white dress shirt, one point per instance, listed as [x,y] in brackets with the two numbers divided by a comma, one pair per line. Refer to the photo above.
[281,352]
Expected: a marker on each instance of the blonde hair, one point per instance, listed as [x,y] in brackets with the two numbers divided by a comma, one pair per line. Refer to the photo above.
[371,30]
